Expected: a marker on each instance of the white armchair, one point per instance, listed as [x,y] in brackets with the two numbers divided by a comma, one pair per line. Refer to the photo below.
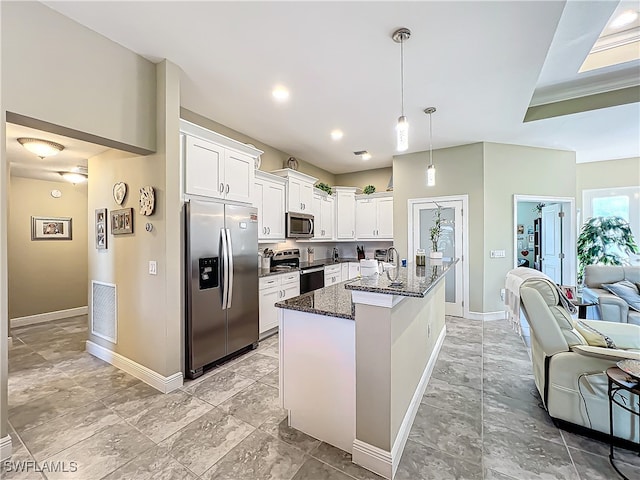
[569,374]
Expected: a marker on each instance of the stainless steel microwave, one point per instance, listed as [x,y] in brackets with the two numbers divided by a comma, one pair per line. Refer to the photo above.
[299,225]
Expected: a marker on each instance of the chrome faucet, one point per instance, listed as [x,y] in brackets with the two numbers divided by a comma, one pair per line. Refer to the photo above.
[392,256]
[336,255]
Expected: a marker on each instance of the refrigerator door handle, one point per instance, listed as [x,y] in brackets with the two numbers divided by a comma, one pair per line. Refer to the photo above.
[230,271]
[225,268]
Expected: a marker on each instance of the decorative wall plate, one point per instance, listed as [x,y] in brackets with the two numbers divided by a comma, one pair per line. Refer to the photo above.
[119,192]
[292,163]
[147,200]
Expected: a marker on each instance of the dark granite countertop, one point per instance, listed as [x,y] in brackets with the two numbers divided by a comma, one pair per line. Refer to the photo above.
[414,281]
[333,301]
[263,272]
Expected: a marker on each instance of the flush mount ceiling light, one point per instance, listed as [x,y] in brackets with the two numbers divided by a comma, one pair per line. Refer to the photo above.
[337,134]
[74,177]
[42,148]
[363,154]
[431,169]
[280,93]
[625,18]
[402,128]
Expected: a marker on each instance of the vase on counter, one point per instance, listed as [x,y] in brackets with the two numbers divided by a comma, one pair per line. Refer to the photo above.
[435,254]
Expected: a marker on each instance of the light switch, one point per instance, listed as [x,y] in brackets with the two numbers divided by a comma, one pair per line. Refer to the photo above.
[153,267]
[497,254]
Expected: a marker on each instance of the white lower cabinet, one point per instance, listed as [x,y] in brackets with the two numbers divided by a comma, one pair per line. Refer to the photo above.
[344,271]
[273,289]
[354,270]
[332,274]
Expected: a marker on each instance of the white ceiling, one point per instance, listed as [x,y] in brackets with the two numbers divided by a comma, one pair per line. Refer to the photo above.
[479,63]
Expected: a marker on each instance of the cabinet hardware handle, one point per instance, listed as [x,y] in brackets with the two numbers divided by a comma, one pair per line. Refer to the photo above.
[269,230]
[221,187]
[227,188]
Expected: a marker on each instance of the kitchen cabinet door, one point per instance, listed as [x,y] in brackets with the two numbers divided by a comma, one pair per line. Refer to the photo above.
[366,218]
[354,270]
[300,196]
[258,202]
[290,291]
[268,312]
[345,271]
[306,196]
[316,211]
[239,170]
[273,211]
[327,215]
[204,168]
[345,215]
[385,218]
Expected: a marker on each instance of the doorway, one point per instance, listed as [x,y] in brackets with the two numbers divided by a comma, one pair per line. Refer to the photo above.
[453,243]
[545,236]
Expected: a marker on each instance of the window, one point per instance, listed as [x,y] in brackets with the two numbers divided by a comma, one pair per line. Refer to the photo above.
[611,207]
[620,202]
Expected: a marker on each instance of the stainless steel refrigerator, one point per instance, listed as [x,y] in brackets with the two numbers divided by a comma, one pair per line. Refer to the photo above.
[221,282]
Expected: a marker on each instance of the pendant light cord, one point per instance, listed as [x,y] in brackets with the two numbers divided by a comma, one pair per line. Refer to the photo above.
[402,75]
[430,141]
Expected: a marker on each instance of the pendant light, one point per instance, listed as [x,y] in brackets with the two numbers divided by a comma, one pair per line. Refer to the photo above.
[402,128]
[431,169]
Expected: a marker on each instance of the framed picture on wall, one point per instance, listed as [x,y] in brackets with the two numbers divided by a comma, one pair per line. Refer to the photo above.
[101,228]
[122,221]
[51,228]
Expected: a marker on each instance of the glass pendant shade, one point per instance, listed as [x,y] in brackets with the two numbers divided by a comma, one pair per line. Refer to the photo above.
[431,176]
[42,148]
[402,134]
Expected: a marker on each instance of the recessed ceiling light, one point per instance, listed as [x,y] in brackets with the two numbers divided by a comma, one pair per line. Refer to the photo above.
[280,93]
[363,154]
[336,134]
[624,19]
[74,177]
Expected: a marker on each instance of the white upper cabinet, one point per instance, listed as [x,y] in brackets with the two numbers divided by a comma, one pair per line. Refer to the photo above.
[324,215]
[345,213]
[269,193]
[299,190]
[216,166]
[374,217]
[204,167]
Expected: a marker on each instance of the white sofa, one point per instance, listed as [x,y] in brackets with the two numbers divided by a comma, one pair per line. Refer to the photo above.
[569,374]
[610,307]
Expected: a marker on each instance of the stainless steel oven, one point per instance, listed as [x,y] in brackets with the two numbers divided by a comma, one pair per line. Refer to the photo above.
[311,278]
[299,225]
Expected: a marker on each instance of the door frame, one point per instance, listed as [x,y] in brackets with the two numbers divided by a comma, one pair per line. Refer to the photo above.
[570,268]
[411,203]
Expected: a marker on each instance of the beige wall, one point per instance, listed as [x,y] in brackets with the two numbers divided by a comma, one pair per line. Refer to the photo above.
[46,276]
[515,170]
[378,177]
[59,71]
[459,171]
[612,173]
[271,159]
[149,309]
[4,294]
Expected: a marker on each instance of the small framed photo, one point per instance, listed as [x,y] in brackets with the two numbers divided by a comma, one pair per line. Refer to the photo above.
[101,228]
[122,221]
[520,229]
[569,291]
[531,238]
[51,228]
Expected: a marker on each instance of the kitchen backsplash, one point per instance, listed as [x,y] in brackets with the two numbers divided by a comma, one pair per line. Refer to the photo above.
[325,249]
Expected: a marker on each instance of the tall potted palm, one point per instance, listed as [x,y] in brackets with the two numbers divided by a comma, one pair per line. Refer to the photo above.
[604,241]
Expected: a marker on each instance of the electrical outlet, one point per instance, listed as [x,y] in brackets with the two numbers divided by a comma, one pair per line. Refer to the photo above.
[429,330]
[502,294]
[153,267]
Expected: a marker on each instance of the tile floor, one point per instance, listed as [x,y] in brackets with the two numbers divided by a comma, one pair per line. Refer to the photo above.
[479,418]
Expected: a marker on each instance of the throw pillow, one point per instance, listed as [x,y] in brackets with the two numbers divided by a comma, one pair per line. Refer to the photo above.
[593,336]
[626,291]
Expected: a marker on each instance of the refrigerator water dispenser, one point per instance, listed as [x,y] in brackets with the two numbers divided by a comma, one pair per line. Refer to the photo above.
[208,272]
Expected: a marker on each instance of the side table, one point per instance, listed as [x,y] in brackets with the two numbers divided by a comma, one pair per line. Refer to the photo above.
[619,381]
[582,307]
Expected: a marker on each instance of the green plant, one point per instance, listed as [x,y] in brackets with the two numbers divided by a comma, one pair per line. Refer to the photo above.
[369,189]
[324,187]
[538,208]
[604,241]
[436,230]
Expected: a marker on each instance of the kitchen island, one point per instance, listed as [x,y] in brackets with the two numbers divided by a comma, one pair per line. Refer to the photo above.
[355,359]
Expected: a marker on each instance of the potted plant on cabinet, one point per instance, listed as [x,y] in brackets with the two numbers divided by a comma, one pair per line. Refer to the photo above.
[604,241]
[434,234]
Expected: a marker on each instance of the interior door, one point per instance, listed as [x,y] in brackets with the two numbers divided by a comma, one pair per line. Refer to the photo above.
[552,242]
[451,245]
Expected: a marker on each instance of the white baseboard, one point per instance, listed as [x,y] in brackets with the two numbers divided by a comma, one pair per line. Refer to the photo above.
[5,447]
[148,376]
[386,463]
[48,316]
[486,316]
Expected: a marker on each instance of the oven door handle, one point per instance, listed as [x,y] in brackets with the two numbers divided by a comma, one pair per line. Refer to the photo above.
[311,270]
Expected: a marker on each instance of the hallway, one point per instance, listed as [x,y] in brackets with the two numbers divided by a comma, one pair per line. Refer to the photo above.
[479,418]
